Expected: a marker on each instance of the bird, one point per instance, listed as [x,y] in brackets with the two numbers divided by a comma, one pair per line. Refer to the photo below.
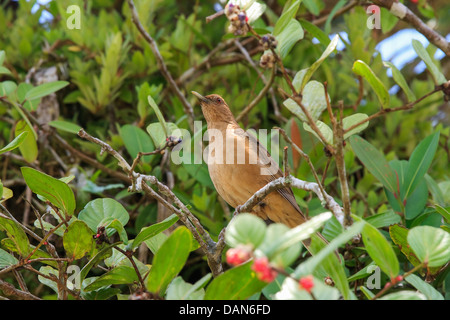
[236,181]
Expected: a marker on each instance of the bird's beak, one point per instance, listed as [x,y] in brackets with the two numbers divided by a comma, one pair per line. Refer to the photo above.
[200,97]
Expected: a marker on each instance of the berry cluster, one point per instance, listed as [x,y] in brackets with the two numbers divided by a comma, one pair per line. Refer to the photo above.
[262,267]
[238,19]
[268,42]
[267,60]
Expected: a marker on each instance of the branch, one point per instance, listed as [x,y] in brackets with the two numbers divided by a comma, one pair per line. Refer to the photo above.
[161,64]
[443,87]
[403,13]
[10,291]
[326,200]
[139,183]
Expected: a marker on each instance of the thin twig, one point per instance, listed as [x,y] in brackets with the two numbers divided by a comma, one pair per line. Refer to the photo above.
[161,64]
[403,13]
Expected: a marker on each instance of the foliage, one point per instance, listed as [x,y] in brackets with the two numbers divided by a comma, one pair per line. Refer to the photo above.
[64,202]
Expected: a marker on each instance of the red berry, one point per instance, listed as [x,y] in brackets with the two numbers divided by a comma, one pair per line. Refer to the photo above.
[263,270]
[307,283]
[238,255]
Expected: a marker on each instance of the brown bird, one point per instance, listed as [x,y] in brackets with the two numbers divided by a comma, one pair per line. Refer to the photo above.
[237,178]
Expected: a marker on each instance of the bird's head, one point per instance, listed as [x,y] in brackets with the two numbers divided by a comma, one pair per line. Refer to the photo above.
[214,108]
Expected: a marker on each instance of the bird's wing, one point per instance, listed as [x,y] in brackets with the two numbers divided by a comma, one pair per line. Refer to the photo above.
[266,159]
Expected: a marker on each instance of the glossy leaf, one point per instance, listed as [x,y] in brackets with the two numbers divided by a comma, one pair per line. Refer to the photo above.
[425,288]
[380,251]
[45,89]
[285,18]
[118,275]
[65,126]
[439,78]
[292,33]
[169,260]
[16,234]
[431,245]
[237,283]
[419,162]
[352,120]
[78,240]
[6,259]
[54,190]
[100,212]
[28,148]
[375,162]
[363,70]
[400,80]
[245,229]
[151,231]
[399,236]
[136,140]
[16,142]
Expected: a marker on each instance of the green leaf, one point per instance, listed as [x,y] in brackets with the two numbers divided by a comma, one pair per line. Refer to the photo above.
[363,70]
[400,80]
[169,260]
[369,295]
[404,295]
[326,258]
[15,143]
[384,219]
[315,32]
[312,263]
[117,226]
[2,56]
[28,148]
[375,162]
[237,283]
[159,135]
[16,234]
[245,229]
[310,71]
[425,288]
[118,275]
[159,115]
[153,230]
[286,17]
[419,162]
[136,140]
[292,33]
[4,70]
[100,212]
[297,234]
[54,190]
[99,255]
[78,240]
[6,259]
[443,212]
[45,89]
[431,245]
[313,100]
[65,126]
[350,121]
[181,290]
[326,131]
[438,77]
[399,236]
[284,257]
[380,251]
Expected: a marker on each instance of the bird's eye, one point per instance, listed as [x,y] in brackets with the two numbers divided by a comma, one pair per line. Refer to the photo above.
[219,100]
